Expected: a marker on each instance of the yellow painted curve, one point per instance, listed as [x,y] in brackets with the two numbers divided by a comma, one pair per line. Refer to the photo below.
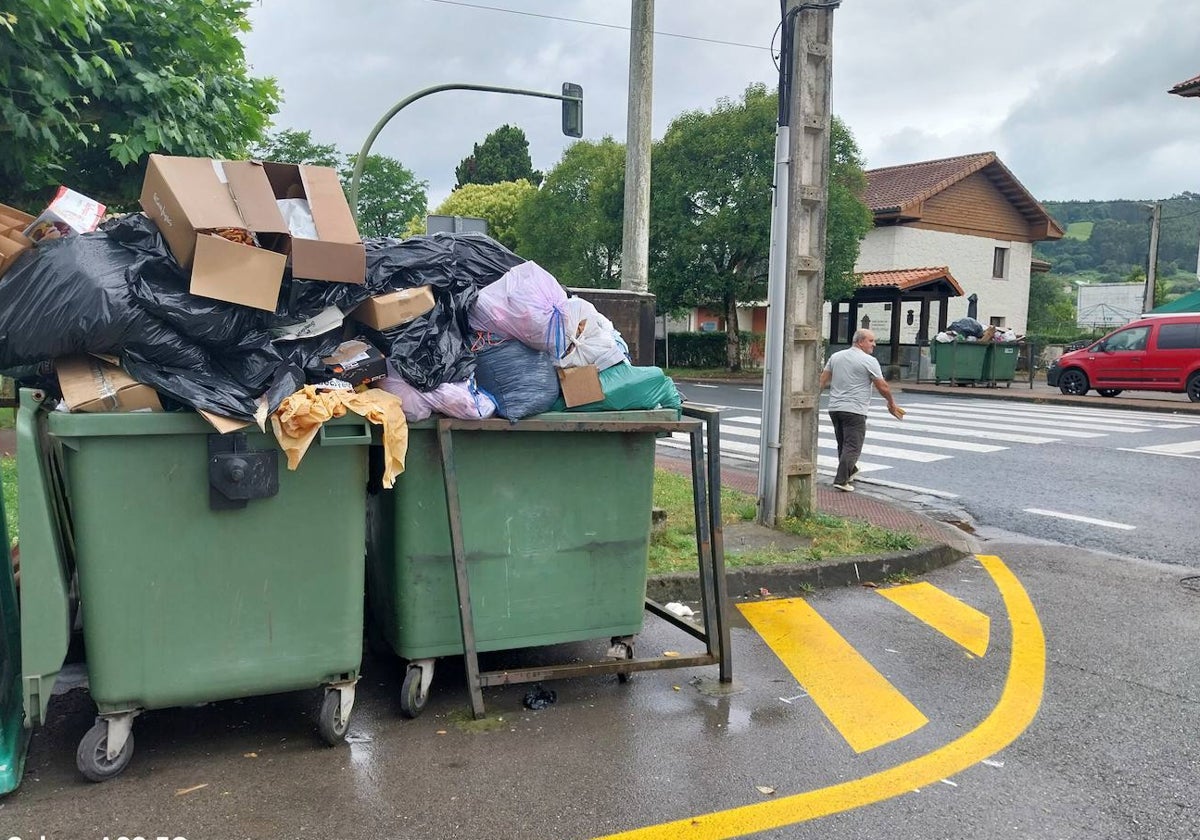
[1016,709]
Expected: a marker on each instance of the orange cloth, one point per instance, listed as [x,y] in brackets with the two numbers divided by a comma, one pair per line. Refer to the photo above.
[300,417]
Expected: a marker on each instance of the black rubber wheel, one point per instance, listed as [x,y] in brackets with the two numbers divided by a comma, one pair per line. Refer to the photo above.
[1193,387]
[92,755]
[412,699]
[1073,382]
[1108,392]
[624,678]
[330,722]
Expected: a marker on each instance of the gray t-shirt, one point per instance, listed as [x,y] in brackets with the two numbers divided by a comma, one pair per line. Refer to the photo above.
[853,375]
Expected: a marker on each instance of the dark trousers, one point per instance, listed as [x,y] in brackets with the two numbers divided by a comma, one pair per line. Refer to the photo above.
[850,430]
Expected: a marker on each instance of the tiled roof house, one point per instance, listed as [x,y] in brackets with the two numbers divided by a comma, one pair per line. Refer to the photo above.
[968,215]
[1189,88]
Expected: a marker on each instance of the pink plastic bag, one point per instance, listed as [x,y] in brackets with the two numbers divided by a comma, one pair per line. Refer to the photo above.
[527,304]
[463,400]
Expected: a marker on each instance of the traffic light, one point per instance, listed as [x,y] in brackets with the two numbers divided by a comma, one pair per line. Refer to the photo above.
[572,110]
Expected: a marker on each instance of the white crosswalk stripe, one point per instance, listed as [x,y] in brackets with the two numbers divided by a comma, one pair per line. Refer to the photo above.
[938,431]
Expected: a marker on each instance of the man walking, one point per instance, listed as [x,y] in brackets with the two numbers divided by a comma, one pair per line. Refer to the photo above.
[850,375]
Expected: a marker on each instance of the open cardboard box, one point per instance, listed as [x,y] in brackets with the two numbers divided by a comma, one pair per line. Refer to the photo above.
[189,198]
[12,241]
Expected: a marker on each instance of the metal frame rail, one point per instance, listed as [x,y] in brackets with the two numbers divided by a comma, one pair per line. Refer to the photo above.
[706,473]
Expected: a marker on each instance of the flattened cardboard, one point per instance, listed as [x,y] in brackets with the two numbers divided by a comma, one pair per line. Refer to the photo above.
[91,385]
[223,425]
[13,242]
[395,308]
[580,385]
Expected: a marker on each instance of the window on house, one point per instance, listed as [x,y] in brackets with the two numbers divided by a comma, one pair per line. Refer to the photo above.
[1000,264]
[998,323]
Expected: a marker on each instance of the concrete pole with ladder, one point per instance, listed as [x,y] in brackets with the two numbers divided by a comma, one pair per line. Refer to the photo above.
[635,234]
[1152,261]
[811,62]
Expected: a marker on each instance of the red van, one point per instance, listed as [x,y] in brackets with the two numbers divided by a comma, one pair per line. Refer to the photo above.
[1157,353]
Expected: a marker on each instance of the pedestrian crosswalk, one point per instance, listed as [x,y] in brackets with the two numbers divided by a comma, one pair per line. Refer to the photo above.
[938,430]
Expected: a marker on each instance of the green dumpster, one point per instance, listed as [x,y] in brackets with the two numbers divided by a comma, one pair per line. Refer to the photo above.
[205,570]
[13,734]
[958,361]
[1001,362]
[556,534]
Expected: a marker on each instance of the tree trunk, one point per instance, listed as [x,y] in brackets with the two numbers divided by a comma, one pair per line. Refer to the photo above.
[733,339]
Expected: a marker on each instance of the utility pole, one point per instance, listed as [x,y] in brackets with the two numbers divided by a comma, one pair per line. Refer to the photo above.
[635,234]
[808,36]
[1152,263]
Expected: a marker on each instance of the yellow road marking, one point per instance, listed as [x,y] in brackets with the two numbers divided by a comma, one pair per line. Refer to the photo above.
[1016,709]
[943,612]
[858,700]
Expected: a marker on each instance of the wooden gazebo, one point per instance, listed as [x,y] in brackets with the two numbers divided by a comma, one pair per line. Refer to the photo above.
[897,287]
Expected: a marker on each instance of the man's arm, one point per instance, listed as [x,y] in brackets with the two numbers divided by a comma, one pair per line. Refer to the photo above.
[886,392]
[823,383]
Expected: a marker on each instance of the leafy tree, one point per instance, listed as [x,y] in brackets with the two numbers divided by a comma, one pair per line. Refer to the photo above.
[502,156]
[1051,309]
[89,88]
[291,146]
[711,209]
[498,203]
[572,225]
[388,195]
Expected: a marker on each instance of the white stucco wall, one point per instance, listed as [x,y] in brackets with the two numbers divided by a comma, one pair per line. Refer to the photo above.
[969,259]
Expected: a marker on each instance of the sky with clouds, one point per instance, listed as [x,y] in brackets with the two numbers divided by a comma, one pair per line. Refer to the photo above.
[1072,94]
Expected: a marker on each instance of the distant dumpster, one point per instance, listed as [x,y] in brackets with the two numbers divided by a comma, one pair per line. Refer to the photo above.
[958,361]
[1000,364]
[205,570]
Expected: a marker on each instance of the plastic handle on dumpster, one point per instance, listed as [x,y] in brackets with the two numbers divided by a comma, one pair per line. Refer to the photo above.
[345,435]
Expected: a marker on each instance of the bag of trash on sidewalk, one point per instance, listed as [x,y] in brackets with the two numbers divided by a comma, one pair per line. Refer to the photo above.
[521,380]
[527,304]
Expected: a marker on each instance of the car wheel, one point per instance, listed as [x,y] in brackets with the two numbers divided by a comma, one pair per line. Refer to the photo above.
[1193,387]
[1073,382]
[1108,392]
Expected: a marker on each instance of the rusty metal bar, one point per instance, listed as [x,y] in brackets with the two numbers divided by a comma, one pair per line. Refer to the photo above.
[657,609]
[466,617]
[557,672]
[717,546]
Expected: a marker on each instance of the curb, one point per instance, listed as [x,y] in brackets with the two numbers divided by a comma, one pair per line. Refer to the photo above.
[795,578]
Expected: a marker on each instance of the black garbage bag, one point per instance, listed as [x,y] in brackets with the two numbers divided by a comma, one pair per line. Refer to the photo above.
[967,326]
[76,295]
[70,296]
[521,380]
[303,299]
[434,348]
[158,283]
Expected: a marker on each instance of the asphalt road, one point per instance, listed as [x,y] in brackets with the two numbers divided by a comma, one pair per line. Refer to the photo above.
[1069,711]
[1113,480]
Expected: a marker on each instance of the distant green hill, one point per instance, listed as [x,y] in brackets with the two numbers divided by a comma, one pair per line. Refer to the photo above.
[1107,241]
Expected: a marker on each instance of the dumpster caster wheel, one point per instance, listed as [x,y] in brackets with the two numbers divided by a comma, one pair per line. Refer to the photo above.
[92,756]
[414,693]
[621,650]
[334,718]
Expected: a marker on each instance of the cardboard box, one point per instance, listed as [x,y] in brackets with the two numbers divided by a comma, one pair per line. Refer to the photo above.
[13,242]
[355,362]
[395,308]
[89,384]
[580,385]
[69,213]
[189,198]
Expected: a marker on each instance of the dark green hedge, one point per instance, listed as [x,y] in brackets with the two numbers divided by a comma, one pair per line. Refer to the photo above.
[707,350]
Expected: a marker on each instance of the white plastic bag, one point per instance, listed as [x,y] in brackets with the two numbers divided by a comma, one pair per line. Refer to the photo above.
[298,216]
[527,304]
[590,337]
